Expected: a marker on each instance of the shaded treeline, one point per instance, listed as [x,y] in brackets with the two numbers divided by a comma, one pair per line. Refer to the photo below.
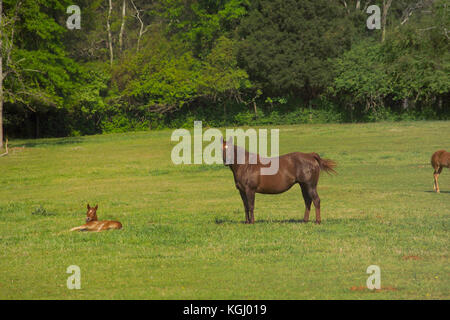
[138,64]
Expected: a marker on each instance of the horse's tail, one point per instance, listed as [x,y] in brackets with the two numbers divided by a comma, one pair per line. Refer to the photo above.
[326,165]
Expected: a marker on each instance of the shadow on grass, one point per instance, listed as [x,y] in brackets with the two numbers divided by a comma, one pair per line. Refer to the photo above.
[329,221]
[223,221]
[429,191]
[51,142]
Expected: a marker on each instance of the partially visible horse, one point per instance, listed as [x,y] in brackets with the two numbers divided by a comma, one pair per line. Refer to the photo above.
[293,168]
[439,160]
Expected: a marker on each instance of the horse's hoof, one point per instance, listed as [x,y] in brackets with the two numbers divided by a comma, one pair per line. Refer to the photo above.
[318,221]
[305,221]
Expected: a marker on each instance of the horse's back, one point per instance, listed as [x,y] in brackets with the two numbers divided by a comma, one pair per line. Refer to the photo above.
[306,166]
[302,158]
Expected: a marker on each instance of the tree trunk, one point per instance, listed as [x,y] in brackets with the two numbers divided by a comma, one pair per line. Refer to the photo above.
[345,6]
[108,28]
[139,37]
[122,26]
[405,104]
[37,129]
[141,29]
[1,74]
[386,6]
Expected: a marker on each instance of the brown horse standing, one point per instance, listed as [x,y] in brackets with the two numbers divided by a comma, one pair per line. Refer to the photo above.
[439,160]
[296,167]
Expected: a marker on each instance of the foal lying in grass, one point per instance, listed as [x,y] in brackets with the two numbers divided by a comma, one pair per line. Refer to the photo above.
[92,223]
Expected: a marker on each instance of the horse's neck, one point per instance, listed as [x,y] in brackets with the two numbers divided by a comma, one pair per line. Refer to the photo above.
[247,155]
[236,165]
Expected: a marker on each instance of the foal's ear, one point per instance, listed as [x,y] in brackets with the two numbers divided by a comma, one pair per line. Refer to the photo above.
[96,206]
[88,206]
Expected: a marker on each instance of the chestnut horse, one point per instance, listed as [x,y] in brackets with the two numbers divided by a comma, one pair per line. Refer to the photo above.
[92,223]
[296,167]
[439,160]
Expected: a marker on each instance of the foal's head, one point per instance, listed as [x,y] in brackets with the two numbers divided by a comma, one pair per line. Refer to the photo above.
[91,214]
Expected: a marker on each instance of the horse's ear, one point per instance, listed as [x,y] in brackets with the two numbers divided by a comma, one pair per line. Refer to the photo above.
[88,206]
[96,206]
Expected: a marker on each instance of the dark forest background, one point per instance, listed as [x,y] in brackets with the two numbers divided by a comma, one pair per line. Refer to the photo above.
[138,65]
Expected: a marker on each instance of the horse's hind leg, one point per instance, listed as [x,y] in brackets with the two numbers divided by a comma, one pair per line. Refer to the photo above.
[307,200]
[434,180]
[436,177]
[245,201]
[316,200]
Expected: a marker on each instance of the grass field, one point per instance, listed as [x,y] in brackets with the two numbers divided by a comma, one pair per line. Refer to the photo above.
[184,237]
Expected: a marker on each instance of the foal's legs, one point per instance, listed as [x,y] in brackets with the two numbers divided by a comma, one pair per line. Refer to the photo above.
[250,194]
[307,200]
[436,176]
[244,199]
[80,228]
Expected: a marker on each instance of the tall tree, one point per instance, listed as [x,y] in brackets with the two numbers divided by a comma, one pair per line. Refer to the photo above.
[142,28]
[1,73]
[108,30]
[122,25]
[7,30]
[386,7]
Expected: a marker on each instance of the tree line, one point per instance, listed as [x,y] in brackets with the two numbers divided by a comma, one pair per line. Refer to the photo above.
[136,64]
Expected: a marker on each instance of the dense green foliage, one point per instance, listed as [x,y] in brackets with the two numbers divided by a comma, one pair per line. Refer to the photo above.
[225,62]
[288,45]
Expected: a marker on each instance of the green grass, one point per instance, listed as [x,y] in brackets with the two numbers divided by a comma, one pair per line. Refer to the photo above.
[183,236]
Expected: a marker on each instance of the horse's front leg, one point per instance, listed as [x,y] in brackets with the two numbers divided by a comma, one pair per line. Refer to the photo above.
[244,200]
[250,194]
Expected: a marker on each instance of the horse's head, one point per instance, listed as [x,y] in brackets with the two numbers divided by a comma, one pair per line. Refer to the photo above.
[228,151]
[91,214]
